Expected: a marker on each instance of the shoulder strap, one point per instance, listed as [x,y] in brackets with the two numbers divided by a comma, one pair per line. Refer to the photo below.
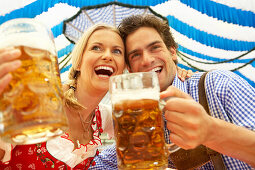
[215,156]
[202,93]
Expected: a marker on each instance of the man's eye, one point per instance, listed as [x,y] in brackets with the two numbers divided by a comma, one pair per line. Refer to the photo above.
[136,55]
[117,51]
[96,48]
[155,47]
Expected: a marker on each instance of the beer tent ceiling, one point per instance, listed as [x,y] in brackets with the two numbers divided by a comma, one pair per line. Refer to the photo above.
[211,33]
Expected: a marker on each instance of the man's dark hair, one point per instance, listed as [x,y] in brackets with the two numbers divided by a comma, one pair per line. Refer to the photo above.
[130,24]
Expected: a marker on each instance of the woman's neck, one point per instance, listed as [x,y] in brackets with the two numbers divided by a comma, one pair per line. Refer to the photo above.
[89,97]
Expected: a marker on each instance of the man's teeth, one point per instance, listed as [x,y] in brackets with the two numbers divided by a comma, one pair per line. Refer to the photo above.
[104,68]
[157,69]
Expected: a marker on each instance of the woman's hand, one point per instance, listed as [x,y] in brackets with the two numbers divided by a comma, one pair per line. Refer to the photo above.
[184,74]
[8,63]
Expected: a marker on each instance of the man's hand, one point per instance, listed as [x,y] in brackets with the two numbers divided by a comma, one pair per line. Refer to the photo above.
[186,119]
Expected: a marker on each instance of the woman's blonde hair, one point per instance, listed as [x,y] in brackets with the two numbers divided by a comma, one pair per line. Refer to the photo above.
[76,56]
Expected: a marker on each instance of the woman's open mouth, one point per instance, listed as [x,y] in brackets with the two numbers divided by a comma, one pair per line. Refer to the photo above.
[104,71]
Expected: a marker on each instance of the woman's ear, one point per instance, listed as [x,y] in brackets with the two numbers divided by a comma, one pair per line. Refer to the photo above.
[129,69]
[126,70]
[78,68]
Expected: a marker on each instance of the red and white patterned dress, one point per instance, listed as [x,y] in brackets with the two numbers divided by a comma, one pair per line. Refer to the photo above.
[58,153]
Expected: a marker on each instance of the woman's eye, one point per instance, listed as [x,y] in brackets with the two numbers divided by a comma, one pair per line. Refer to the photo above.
[96,48]
[117,51]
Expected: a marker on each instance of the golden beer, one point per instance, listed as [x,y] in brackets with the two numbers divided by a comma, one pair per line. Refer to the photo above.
[139,134]
[31,107]
[138,121]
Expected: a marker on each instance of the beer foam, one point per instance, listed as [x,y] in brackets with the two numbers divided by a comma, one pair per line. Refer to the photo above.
[26,32]
[33,40]
[136,94]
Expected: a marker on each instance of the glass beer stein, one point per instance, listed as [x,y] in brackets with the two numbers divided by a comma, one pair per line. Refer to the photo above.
[31,106]
[138,121]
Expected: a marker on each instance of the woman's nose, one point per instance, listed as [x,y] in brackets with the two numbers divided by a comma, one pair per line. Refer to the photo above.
[107,55]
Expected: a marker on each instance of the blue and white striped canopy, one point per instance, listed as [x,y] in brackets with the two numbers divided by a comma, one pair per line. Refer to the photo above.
[212,34]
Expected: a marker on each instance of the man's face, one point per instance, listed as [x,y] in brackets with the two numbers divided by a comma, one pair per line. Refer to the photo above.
[146,51]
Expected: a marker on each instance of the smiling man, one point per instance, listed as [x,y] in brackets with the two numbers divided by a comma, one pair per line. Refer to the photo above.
[230,128]
[146,51]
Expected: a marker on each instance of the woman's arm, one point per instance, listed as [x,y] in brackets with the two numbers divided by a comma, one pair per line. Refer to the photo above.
[2,152]
[184,74]
[107,123]
[8,62]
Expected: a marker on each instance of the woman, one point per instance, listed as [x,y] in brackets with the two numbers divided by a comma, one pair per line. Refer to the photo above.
[98,55]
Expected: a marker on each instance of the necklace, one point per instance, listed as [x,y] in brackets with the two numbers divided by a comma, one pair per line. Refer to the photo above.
[86,126]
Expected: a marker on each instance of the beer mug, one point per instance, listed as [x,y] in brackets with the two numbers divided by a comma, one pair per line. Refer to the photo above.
[31,107]
[138,121]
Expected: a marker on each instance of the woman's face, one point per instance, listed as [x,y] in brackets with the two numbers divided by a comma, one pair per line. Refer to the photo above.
[103,57]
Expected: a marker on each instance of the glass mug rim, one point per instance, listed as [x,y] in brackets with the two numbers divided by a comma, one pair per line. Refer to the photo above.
[120,77]
[27,26]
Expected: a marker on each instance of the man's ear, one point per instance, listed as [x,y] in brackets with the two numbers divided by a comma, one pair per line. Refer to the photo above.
[173,53]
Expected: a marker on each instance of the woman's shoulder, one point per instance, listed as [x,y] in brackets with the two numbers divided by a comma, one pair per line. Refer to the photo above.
[105,111]
[105,107]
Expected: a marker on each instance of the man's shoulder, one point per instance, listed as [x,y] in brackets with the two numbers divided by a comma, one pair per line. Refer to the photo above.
[222,74]
[215,79]
[221,78]
[215,76]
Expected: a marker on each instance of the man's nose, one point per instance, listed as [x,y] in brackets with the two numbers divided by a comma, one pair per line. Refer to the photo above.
[148,59]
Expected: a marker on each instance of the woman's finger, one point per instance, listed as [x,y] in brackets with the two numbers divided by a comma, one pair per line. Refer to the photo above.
[4,81]
[9,67]
[189,74]
[9,54]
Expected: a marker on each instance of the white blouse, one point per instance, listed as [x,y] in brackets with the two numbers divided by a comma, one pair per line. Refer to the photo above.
[61,147]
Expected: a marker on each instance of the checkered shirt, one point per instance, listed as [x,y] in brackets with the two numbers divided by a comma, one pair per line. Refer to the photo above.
[230,98]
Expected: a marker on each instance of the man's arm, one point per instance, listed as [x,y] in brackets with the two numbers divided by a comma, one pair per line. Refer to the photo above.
[232,140]
[191,126]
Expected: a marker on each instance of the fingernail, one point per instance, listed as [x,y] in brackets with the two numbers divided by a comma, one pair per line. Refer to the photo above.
[15,51]
[9,48]
[16,63]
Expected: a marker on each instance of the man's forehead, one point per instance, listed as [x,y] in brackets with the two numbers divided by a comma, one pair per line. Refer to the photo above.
[144,30]
[143,35]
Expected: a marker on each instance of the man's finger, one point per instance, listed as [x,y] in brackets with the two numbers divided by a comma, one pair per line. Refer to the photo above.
[173,92]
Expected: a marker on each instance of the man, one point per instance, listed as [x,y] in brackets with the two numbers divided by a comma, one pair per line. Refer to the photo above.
[230,128]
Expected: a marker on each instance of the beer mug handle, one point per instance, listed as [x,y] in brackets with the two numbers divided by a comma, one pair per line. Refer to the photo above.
[171,147]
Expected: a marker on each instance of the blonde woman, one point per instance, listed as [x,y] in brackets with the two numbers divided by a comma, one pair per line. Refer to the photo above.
[97,56]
